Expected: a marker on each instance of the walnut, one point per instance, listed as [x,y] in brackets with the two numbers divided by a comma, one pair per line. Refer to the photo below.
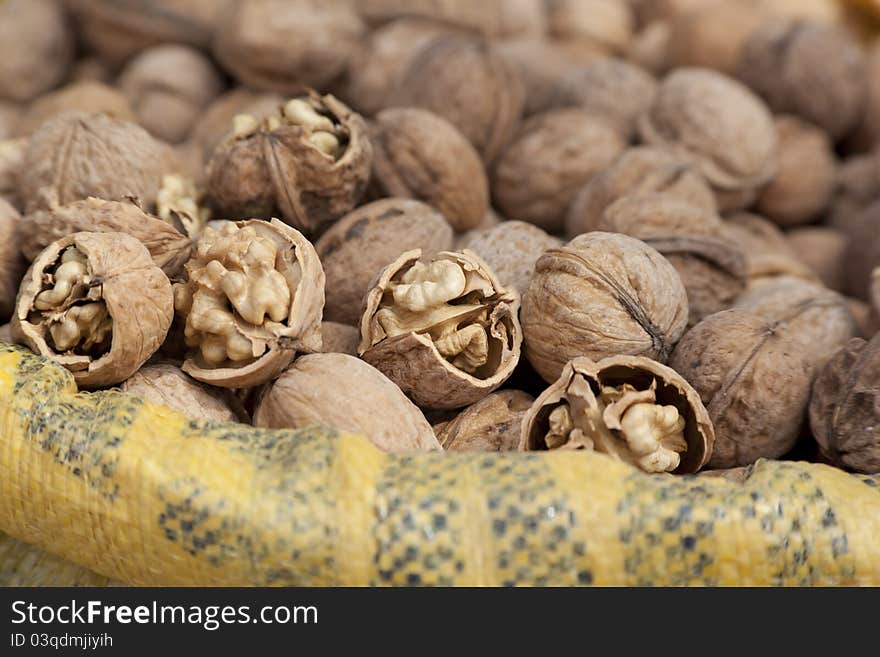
[12,153]
[339,338]
[822,249]
[640,170]
[875,290]
[252,301]
[649,48]
[768,252]
[10,114]
[863,251]
[806,68]
[169,386]
[717,124]
[11,264]
[609,23]
[91,68]
[856,187]
[653,10]
[482,17]
[601,294]
[845,407]
[181,204]
[356,248]
[551,157]
[753,365]
[341,391]
[630,408]
[441,327]
[417,154]
[866,134]
[102,157]
[511,249]
[36,47]
[308,162]
[169,87]
[490,425]
[287,45]
[867,319]
[96,304]
[467,82]
[89,97]
[713,270]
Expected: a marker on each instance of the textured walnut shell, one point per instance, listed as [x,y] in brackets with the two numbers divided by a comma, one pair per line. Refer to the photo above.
[12,153]
[716,123]
[36,47]
[866,318]
[11,264]
[343,392]
[551,157]
[169,248]
[845,407]
[640,170]
[863,252]
[169,386]
[356,248]
[490,425]
[413,361]
[804,182]
[606,22]
[511,250]
[287,45]
[822,249]
[639,372]
[169,86]
[417,154]
[601,294]
[470,85]
[279,173]
[649,47]
[768,252]
[339,338]
[806,68]
[75,155]
[136,293]
[89,97]
[753,366]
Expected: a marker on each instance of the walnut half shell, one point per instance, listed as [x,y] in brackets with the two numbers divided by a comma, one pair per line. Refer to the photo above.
[629,407]
[442,328]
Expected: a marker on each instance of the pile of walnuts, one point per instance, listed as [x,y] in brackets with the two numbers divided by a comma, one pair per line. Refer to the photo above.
[645,228]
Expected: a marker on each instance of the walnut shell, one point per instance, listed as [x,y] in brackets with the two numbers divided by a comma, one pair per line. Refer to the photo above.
[875,290]
[10,114]
[252,301]
[551,157]
[490,425]
[169,386]
[482,17]
[119,306]
[277,170]
[441,327]
[753,365]
[863,251]
[12,153]
[356,248]
[169,87]
[866,318]
[822,249]
[89,96]
[607,22]
[716,123]
[845,407]
[36,47]
[866,134]
[640,170]
[287,45]
[856,187]
[471,85]
[417,154]
[649,48]
[582,380]
[11,264]
[814,70]
[339,338]
[601,294]
[343,392]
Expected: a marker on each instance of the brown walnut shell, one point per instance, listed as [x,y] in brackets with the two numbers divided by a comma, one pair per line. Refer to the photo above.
[768,252]
[822,249]
[482,17]
[863,252]
[10,115]
[856,187]
[12,153]
[649,48]
[875,290]
[277,171]
[356,248]
[119,275]
[551,157]
[344,392]
[89,97]
[339,338]
[446,341]
[12,265]
[609,23]
[600,295]
[866,135]
[866,318]
[754,364]
[490,425]
[642,374]
[845,407]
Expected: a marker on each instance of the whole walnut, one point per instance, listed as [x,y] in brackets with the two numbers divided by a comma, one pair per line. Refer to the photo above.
[717,124]
[339,338]
[169,87]
[89,97]
[822,249]
[549,159]
[807,68]
[356,248]
[863,251]
[467,82]
[511,249]
[613,89]
[856,187]
[490,425]
[287,46]
[36,47]
[103,157]
[418,154]
[609,23]
[866,135]
[344,392]
[12,265]
[754,365]
[649,47]
[801,189]
[10,114]
[768,252]
[640,170]
[599,295]
[308,162]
